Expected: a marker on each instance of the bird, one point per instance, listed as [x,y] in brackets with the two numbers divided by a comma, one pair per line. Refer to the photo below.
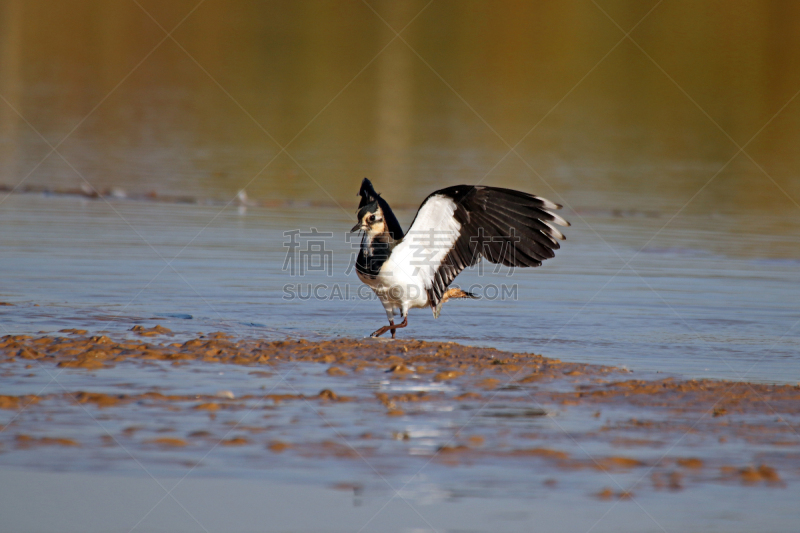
[454,228]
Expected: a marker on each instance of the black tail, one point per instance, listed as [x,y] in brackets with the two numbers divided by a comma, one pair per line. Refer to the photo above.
[368,195]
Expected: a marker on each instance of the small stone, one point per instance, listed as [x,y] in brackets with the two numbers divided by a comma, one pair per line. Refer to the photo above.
[277,446]
[447,375]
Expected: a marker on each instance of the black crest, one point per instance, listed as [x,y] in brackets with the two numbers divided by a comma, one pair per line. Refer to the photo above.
[371,207]
[370,197]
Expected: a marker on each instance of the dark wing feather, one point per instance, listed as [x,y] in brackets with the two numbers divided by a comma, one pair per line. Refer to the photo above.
[505,226]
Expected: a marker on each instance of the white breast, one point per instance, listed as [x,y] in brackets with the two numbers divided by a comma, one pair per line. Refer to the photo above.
[406,276]
[411,267]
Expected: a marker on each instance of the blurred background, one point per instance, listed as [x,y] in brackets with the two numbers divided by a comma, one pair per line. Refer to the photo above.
[153,155]
[596,119]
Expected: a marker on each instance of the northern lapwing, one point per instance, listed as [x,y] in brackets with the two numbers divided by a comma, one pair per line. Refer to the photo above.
[452,230]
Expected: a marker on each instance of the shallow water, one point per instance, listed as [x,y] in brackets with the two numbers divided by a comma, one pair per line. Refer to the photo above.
[673,150]
[427,456]
[225,504]
[676,303]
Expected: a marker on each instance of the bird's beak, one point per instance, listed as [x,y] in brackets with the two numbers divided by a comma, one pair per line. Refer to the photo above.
[356,228]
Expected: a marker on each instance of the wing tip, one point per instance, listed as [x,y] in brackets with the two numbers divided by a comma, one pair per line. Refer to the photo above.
[561,221]
[547,204]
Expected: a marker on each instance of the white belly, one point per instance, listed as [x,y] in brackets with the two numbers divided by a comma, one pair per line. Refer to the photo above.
[397,288]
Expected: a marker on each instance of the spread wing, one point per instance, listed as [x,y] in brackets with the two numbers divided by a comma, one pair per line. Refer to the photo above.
[456,226]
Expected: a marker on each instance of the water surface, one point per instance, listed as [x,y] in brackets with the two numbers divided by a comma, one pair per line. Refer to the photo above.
[672,149]
[675,304]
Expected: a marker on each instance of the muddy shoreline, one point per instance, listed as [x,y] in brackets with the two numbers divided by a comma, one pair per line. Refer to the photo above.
[541,412]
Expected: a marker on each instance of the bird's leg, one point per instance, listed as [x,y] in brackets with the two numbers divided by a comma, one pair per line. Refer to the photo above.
[391,326]
[402,324]
[384,329]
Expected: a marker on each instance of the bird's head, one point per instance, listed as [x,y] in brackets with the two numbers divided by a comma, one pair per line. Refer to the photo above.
[370,219]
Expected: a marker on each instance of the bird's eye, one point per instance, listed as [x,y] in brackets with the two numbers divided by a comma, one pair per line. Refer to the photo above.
[371,218]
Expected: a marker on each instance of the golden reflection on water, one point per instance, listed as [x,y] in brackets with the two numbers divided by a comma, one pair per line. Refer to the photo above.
[597,120]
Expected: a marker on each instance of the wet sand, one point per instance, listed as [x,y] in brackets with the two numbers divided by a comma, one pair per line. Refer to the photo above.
[476,407]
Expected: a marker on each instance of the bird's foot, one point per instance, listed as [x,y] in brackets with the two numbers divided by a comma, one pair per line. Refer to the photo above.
[391,327]
[380,331]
